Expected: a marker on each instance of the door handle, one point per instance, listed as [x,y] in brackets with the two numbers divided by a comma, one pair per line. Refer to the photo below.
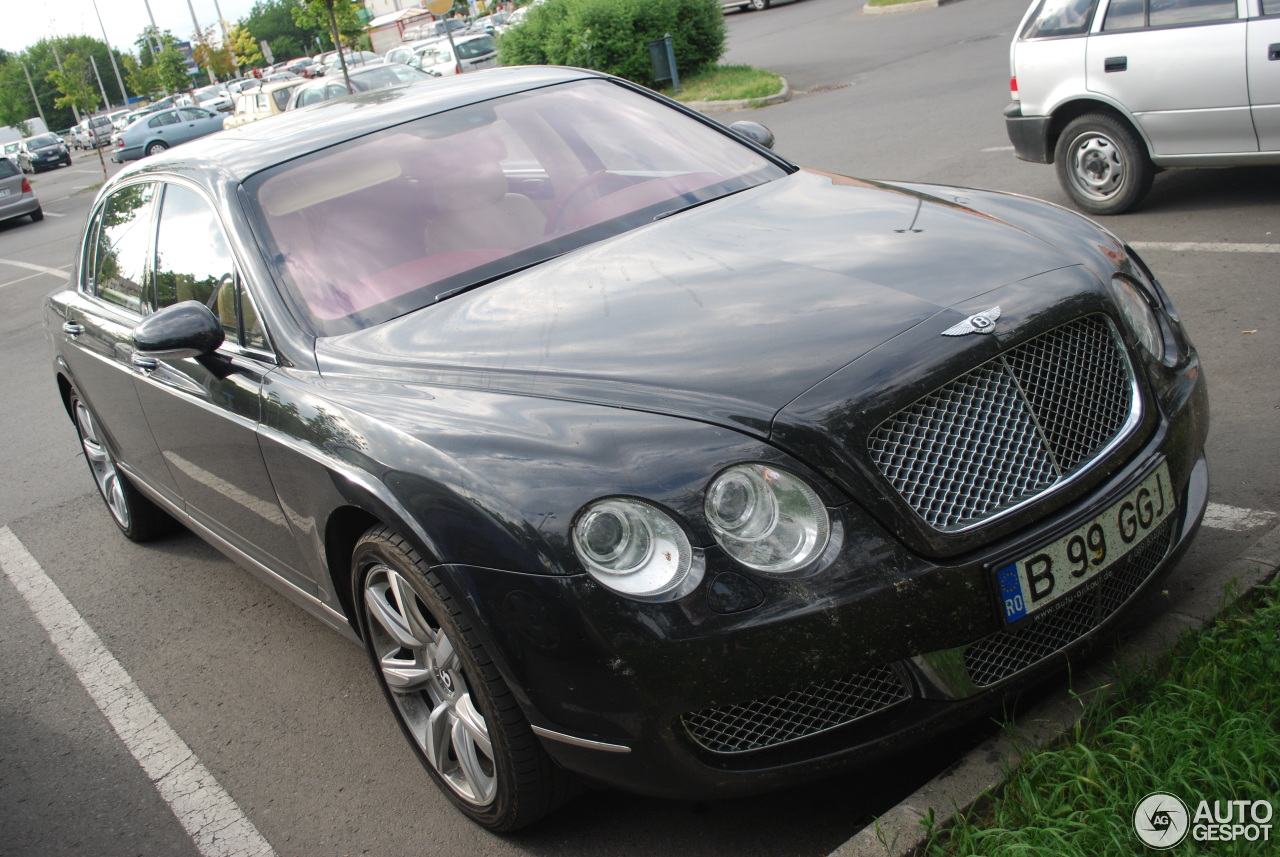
[1111,64]
[1273,51]
[70,328]
[143,363]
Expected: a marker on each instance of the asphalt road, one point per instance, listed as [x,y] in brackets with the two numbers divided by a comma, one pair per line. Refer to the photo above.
[283,713]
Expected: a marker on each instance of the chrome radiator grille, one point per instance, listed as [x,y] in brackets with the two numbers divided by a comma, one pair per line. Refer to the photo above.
[778,719]
[1011,428]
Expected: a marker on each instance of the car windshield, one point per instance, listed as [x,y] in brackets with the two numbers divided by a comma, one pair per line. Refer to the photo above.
[476,47]
[390,222]
[43,141]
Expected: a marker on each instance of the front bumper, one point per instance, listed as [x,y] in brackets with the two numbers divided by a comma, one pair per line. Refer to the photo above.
[1029,135]
[656,698]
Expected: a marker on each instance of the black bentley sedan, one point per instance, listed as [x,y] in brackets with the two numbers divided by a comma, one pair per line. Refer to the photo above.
[632,453]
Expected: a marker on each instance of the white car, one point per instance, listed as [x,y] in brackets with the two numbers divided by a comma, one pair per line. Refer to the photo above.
[475,51]
[1110,91]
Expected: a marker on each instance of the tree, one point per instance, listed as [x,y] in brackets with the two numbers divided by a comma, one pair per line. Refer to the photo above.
[245,47]
[328,15]
[142,80]
[212,54]
[171,66]
[272,21]
[73,81]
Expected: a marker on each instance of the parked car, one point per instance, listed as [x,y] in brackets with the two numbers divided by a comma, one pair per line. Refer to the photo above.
[43,151]
[16,196]
[164,129]
[432,29]
[10,150]
[404,53]
[629,450]
[98,131]
[1112,92]
[215,97]
[267,100]
[354,59]
[474,52]
[363,79]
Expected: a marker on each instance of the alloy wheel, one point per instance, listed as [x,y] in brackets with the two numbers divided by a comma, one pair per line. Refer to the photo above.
[422,670]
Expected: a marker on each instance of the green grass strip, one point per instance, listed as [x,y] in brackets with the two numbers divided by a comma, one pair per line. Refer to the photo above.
[1203,725]
[727,83]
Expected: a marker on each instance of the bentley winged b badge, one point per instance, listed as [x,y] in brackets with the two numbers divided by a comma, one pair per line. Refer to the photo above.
[983,322]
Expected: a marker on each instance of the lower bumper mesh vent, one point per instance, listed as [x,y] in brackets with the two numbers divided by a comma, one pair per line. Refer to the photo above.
[1000,655]
[799,714]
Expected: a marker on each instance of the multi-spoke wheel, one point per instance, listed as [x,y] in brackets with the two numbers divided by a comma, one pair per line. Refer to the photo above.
[136,516]
[446,693]
[1102,165]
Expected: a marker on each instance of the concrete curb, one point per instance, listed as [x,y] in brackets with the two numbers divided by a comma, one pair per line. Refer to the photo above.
[899,8]
[778,97]
[900,831]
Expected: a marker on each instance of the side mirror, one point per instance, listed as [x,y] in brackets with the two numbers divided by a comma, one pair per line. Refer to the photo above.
[188,329]
[753,131]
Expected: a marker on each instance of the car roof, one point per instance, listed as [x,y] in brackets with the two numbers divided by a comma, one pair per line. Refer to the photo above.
[237,153]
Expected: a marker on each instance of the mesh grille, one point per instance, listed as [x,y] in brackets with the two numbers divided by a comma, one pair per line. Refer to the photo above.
[799,714]
[995,658]
[1009,429]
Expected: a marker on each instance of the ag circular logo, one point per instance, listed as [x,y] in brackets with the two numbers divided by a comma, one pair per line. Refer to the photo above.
[1161,820]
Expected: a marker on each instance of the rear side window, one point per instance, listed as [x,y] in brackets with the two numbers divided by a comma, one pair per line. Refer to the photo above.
[123,237]
[1059,18]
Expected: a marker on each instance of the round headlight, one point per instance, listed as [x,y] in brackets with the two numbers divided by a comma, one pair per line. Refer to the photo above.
[633,548]
[766,518]
[1137,312]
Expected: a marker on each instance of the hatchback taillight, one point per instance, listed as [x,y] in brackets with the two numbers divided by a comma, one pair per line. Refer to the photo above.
[26,185]
[1013,88]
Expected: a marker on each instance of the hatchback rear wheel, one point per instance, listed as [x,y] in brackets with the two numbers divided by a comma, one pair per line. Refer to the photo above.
[1102,164]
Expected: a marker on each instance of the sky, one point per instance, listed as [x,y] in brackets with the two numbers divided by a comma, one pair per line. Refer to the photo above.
[28,22]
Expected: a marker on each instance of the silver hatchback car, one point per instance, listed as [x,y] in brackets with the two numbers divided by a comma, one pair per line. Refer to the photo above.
[1111,91]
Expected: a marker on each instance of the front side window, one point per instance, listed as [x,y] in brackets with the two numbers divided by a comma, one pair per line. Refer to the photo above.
[190,114]
[392,221]
[123,236]
[169,117]
[194,262]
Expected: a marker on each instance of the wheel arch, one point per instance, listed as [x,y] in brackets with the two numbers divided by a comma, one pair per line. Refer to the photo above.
[1064,114]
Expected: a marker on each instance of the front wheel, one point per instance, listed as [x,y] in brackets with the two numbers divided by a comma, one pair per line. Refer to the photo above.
[758,5]
[1102,164]
[459,716]
[156,147]
[137,517]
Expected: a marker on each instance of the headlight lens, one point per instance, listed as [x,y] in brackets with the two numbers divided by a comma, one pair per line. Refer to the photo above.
[633,548]
[1137,311]
[766,518]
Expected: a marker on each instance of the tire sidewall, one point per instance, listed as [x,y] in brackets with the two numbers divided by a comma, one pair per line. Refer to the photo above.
[1138,170]
[376,549]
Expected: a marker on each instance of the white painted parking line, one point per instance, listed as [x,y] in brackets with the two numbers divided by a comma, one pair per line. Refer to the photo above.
[998,149]
[53,214]
[1204,247]
[211,818]
[1223,517]
[40,269]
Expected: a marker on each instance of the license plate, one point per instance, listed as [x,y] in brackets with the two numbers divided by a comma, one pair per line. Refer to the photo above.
[1038,579]
[4,191]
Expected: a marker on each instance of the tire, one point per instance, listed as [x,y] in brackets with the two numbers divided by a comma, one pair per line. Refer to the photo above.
[445,692]
[137,517]
[156,147]
[758,5]
[1102,164]
[37,215]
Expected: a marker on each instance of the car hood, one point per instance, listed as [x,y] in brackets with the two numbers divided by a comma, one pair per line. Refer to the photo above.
[723,313]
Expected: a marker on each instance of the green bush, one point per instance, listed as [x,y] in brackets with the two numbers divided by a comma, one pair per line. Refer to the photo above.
[613,35]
